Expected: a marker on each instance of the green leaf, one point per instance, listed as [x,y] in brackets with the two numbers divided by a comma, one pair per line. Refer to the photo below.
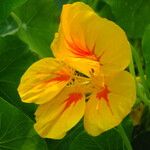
[8,27]
[6,6]
[108,140]
[131,15]
[38,21]
[16,130]
[15,58]
[146,52]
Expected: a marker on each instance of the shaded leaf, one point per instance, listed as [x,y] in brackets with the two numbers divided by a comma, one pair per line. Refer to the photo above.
[110,140]
[16,130]
[141,136]
[145,120]
[127,124]
[142,141]
[106,12]
[15,58]
[131,15]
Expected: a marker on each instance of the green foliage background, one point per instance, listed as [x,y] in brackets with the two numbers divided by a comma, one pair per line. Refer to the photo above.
[27,28]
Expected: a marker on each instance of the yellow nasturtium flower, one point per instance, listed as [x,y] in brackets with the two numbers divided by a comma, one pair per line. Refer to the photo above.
[86,79]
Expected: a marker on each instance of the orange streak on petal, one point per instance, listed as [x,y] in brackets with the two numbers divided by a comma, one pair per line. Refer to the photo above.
[73,98]
[59,76]
[103,94]
[82,53]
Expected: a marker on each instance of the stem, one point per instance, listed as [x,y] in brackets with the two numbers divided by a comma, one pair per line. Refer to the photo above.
[141,73]
[145,100]
[17,19]
[132,71]
[124,137]
[143,97]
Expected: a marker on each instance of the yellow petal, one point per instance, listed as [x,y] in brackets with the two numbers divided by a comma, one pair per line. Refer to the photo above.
[90,37]
[55,118]
[108,106]
[44,80]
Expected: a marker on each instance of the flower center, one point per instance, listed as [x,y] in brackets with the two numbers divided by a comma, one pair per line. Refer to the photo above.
[78,79]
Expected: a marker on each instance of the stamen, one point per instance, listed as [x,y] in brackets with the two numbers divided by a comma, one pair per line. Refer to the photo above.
[77,73]
[87,96]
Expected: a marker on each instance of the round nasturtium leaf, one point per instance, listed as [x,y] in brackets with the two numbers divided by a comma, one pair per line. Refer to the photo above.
[16,130]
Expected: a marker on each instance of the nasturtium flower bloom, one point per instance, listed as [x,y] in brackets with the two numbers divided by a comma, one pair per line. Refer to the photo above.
[86,79]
